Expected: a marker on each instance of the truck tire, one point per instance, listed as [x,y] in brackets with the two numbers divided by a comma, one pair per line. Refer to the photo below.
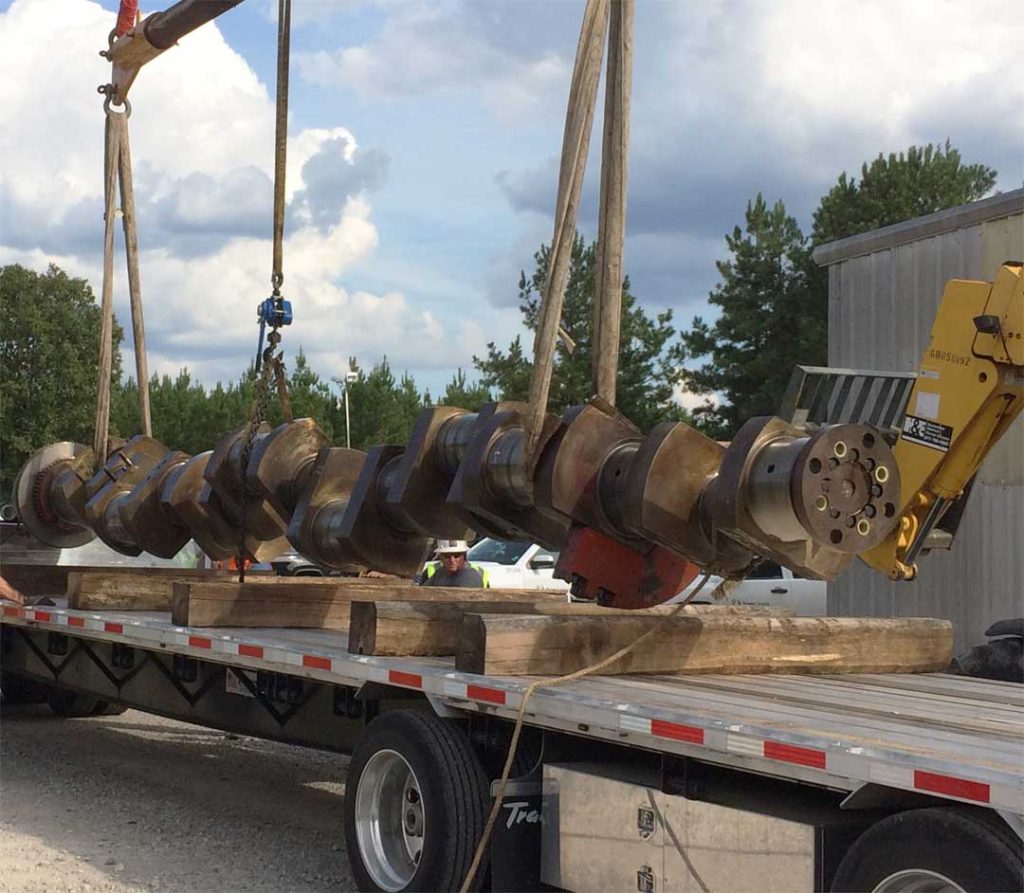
[72,705]
[415,804]
[943,848]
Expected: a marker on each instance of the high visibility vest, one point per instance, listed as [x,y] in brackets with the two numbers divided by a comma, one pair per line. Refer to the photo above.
[433,568]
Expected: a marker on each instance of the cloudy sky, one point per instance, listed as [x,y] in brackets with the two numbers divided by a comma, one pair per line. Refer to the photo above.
[424,137]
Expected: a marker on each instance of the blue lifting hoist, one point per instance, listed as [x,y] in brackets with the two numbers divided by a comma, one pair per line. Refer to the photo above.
[275,312]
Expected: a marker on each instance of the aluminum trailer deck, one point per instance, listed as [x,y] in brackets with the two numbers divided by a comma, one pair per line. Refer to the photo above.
[955,739]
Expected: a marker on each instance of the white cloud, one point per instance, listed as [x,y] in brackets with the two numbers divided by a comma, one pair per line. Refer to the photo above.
[202,143]
[431,48]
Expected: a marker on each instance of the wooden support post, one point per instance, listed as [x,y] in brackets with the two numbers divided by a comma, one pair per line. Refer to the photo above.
[311,606]
[555,646]
[399,628]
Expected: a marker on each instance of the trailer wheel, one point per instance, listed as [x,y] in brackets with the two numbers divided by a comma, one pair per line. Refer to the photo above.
[415,804]
[71,705]
[940,850]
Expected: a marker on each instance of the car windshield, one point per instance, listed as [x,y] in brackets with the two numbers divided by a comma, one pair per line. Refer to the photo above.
[498,551]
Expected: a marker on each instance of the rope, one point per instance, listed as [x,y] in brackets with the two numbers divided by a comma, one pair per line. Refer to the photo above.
[284,15]
[548,683]
[126,17]
[101,428]
[579,118]
[117,173]
[131,250]
[611,223]
[272,366]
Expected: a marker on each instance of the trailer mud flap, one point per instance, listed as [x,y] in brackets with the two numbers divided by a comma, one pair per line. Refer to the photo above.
[516,842]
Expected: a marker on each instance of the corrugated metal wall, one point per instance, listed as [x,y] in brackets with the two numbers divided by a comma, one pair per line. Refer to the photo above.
[884,289]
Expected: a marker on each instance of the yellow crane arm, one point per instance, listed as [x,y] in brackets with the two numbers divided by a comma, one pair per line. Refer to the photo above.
[969,389]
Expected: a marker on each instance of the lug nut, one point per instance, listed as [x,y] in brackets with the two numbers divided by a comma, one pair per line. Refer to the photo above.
[839,449]
[881,474]
[863,527]
[821,503]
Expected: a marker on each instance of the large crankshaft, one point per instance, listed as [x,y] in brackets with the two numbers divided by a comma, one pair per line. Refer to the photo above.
[634,515]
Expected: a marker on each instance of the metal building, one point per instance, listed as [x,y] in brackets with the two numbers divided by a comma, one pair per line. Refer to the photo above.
[884,288]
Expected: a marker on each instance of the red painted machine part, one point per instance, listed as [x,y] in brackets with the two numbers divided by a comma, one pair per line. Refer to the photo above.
[616,576]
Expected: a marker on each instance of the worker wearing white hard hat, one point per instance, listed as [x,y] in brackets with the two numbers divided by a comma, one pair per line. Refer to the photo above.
[453,568]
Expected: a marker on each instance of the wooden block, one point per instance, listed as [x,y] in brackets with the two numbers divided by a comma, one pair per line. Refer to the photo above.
[150,589]
[554,646]
[421,628]
[314,605]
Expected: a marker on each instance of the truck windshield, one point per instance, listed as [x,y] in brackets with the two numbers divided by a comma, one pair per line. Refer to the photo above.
[498,551]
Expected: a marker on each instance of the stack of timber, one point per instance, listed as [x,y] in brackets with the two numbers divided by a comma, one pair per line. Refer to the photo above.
[552,639]
[705,643]
[324,604]
[511,632]
[402,628]
[142,589]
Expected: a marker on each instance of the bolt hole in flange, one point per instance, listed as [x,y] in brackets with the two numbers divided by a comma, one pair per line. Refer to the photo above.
[845,479]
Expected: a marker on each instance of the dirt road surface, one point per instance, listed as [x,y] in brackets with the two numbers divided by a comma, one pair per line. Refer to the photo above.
[140,803]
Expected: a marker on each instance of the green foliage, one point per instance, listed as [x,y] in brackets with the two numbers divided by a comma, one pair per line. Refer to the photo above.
[647,373]
[49,332]
[774,299]
[770,315]
[900,187]
[459,392]
[383,408]
[188,417]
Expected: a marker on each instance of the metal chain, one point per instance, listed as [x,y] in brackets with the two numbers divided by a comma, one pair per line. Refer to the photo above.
[272,365]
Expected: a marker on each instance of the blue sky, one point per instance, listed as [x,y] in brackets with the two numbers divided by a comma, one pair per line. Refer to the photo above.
[424,138]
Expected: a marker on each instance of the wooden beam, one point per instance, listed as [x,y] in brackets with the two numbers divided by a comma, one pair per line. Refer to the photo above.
[135,588]
[149,589]
[555,646]
[399,628]
[315,605]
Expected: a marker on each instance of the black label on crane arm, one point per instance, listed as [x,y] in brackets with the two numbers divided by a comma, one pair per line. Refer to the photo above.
[927,433]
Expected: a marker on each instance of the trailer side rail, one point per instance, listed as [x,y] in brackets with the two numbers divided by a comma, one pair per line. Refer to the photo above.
[954,738]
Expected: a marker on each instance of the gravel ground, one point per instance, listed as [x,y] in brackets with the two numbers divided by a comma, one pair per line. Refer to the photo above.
[140,803]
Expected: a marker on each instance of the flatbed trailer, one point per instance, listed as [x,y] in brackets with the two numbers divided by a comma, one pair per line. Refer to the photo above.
[887,782]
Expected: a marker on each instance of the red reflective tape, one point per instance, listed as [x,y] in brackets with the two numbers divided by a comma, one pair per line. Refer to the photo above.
[491,695]
[409,680]
[76,621]
[952,786]
[677,731]
[44,616]
[790,753]
[316,663]
[250,651]
[12,612]
[113,627]
[199,642]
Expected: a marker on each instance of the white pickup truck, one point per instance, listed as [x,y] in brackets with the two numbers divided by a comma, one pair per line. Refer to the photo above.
[512,565]
[767,585]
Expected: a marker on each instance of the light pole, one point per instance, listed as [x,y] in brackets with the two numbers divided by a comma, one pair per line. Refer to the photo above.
[350,378]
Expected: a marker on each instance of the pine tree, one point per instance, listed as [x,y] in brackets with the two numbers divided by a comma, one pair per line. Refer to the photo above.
[647,371]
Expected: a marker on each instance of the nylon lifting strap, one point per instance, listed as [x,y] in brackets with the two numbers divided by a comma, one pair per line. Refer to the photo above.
[611,224]
[118,173]
[270,364]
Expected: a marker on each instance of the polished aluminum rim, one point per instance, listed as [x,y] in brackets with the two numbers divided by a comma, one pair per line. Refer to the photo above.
[389,820]
[918,880]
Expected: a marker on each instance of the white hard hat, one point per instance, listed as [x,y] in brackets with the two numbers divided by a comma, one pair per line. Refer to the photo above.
[451,547]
